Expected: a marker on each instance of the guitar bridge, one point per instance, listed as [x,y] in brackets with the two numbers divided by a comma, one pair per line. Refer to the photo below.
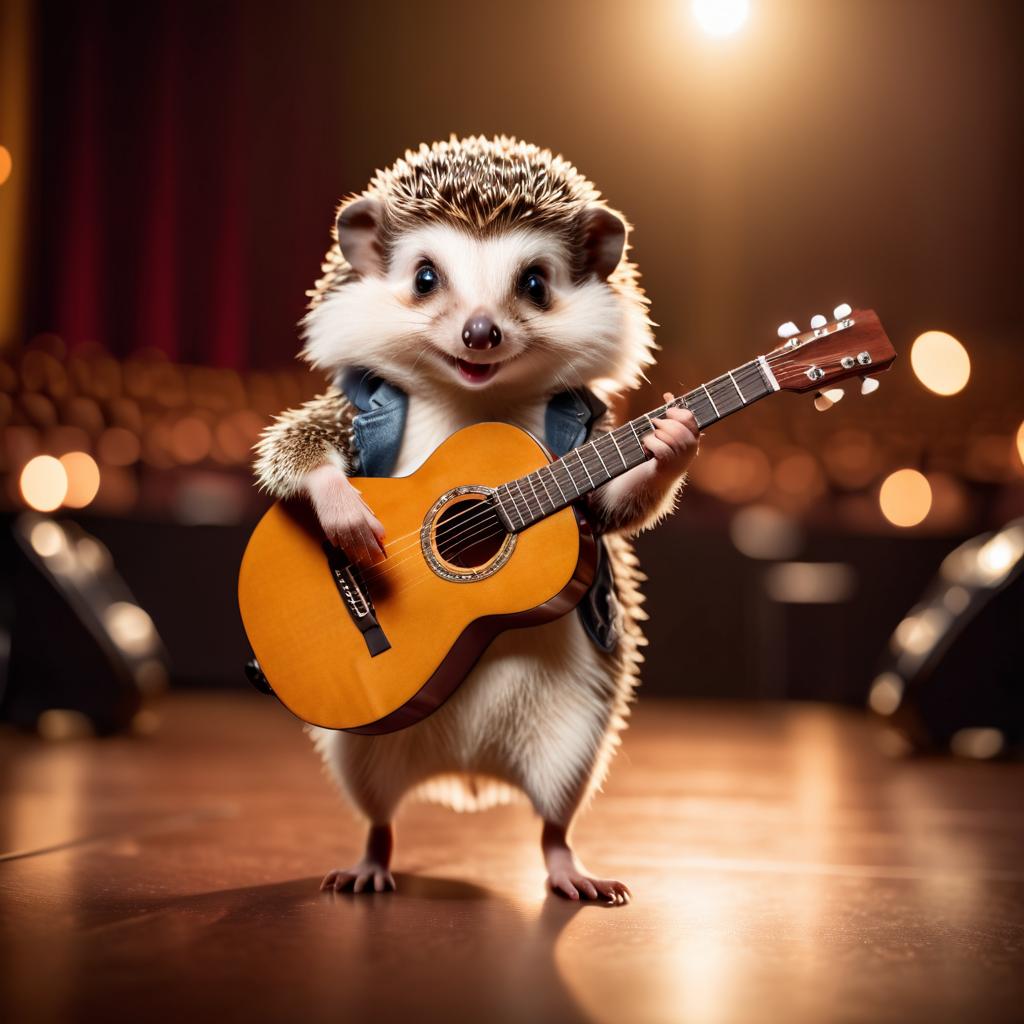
[355,595]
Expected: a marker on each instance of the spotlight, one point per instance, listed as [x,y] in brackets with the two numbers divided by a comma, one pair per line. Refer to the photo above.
[721,17]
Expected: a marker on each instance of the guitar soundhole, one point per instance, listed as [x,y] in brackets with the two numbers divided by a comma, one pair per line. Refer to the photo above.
[468,533]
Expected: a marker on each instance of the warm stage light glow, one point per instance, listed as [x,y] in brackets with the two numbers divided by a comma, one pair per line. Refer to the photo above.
[941,363]
[6,164]
[760,531]
[886,693]
[905,497]
[44,483]
[130,627]
[1020,442]
[721,17]
[83,478]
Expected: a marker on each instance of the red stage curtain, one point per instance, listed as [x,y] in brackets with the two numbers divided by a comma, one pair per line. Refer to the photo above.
[182,194]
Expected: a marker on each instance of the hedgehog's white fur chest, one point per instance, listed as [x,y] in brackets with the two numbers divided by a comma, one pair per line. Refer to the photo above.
[430,421]
[534,713]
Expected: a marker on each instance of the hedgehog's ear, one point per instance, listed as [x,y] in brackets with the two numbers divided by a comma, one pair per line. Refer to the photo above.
[604,240]
[359,236]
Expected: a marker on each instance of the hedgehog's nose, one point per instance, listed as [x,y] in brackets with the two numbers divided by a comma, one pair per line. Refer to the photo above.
[481,332]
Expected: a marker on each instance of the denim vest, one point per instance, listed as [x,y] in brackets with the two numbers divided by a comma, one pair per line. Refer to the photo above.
[377,431]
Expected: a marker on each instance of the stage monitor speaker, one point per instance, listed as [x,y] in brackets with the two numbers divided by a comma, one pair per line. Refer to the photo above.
[83,656]
[954,672]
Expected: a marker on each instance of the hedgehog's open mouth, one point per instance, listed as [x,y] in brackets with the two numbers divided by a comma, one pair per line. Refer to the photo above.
[476,373]
[473,373]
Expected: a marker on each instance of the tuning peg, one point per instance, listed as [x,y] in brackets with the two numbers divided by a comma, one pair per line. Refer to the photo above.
[788,329]
[817,321]
[868,385]
[842,311]
[824,400]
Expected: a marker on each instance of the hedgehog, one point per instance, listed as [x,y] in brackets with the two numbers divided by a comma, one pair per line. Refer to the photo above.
[473,280]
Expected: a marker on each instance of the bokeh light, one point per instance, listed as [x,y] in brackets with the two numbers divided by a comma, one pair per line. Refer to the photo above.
[905,497]
[44,483]
[1020,442]
[6,164]
[190,440]
[130,627]
[721,17]
[760,531]
[83,478]
[118,446]
[852,458]
[978,743]
[736,471]
[797,475]
[941,363]
[886,693]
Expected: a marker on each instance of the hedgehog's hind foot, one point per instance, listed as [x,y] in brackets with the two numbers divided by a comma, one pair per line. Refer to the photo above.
[372,872]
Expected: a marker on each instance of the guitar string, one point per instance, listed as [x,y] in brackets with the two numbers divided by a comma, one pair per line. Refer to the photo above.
[446,533]
[475,513]
[624,430]
[484,519]
[424,576]
[452,533]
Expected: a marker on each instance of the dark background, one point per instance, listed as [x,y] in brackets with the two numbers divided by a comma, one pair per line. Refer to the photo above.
[188,157]
[183,162]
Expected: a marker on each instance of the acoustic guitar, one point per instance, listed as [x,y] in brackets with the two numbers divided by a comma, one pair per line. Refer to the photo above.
[485,536]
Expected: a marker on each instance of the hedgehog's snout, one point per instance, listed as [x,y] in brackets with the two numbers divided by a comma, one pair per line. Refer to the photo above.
[481,332]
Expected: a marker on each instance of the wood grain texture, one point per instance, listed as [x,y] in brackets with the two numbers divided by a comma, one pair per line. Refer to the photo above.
[303,637]
[826,352]
[783,869]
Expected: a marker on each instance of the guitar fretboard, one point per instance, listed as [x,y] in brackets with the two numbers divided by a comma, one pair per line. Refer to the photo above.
[533,497]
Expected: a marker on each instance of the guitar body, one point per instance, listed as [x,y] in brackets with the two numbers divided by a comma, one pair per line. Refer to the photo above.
[434,611]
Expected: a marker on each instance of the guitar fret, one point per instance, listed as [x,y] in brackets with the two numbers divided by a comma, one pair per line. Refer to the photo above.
[533,487]
[545,486]
[711,400]
[584,465]
[555,467]
[611,434]
[554,476]
[515,504]
[568,469]
[636,436]
[501,506]
[737,387]
[526,500]
[718,398]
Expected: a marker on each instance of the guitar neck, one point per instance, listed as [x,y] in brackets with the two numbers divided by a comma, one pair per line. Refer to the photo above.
[533,497]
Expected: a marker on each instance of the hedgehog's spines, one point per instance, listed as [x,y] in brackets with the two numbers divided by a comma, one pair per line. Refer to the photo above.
[482,184]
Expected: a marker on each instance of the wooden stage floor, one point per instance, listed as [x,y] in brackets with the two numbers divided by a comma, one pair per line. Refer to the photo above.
[782,870]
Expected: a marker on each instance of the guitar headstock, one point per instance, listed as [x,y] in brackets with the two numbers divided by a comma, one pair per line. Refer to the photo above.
[852,344]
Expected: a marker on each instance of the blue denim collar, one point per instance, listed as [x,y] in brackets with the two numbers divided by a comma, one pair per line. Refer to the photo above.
[378,427]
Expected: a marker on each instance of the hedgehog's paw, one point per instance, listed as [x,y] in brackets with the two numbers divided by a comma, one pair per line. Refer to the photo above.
[366,876]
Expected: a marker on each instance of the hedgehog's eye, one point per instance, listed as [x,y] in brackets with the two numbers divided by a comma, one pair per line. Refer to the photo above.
[534,285]
[426,279]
